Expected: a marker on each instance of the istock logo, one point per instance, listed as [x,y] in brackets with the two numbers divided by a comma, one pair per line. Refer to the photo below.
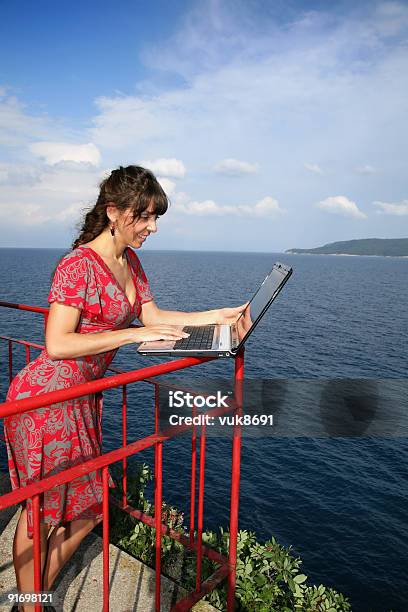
[179,399]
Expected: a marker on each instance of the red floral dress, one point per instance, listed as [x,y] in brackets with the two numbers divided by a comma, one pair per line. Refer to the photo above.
[48,440]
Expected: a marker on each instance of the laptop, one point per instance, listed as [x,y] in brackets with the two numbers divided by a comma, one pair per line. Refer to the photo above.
[223,340]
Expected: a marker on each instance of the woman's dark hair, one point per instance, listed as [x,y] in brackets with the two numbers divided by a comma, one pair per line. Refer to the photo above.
[133,188]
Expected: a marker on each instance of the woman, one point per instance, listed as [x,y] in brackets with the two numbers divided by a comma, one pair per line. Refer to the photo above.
[98,289]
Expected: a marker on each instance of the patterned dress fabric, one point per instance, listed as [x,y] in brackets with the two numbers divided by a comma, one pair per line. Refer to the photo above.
[48,440]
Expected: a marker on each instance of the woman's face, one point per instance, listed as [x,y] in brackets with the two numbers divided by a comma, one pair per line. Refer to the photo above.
[134,232]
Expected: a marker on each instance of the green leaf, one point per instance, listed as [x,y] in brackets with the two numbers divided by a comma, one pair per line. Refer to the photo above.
[300,578]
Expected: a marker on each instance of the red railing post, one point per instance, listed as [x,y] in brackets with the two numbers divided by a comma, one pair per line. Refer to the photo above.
[37,548]
[158,498]
[235,479]
[158,516]
[200,511]
[124,438]
[193,478]
[105,544]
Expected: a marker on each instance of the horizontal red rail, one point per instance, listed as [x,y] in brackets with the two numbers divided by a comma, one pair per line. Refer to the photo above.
[207,586]
[38,309]
[23,342]
[95,386]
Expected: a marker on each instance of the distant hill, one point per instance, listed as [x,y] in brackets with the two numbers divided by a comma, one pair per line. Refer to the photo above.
[391,247]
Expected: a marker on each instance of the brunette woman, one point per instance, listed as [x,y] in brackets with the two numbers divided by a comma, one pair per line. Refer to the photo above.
[98,289]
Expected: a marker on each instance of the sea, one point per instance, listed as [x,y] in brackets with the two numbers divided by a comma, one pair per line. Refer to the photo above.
[339,502]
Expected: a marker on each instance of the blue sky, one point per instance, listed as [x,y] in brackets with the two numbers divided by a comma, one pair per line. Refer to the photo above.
[270,125]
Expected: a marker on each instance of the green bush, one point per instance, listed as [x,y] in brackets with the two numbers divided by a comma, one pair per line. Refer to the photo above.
[137,538]
[268,576]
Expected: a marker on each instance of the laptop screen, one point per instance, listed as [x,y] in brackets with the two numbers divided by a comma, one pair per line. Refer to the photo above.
[267,292]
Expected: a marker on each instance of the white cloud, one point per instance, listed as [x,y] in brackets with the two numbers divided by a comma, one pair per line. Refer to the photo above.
[314,168]
[267,207]
[47,180]
[366,169]
[340,205]
[24,214]
[18,174]
[3,175]
[207,207]
[167,185]
[173,168]
[235,167]
[17,126]
[39,195]
[398,208]
[32,215]
[390,18]
[74,212]
[71,179]
[112,128]
[302,97]
[55,152]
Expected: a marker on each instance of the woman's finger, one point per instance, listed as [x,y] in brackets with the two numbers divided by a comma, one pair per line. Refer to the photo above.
[170,329]
[240,308]
[170,337]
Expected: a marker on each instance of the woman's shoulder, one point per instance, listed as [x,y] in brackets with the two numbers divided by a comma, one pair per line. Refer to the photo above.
[81,251]
[74,282]
[79,254]
[77,262]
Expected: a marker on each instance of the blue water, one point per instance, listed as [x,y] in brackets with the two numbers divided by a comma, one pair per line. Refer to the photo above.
[341,503]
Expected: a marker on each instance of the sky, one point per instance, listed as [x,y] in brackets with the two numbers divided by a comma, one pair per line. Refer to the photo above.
[270,125]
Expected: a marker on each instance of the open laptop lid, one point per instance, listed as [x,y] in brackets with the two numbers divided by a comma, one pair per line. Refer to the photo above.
[259,303]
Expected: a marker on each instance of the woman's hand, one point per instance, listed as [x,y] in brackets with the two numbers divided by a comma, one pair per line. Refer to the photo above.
[158,332]
[229,315]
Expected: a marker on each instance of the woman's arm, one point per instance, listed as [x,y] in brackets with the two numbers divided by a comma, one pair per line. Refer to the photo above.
[63,342]
[153,315]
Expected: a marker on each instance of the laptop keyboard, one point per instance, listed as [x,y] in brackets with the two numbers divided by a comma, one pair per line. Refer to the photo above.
[199,338]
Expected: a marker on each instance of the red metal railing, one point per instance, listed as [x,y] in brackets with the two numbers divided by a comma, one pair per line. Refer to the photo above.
[227,565]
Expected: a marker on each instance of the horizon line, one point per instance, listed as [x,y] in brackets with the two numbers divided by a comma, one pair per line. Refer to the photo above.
[153,250]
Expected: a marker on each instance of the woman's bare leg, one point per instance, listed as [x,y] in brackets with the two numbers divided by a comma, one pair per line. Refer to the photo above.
[55,552]
[62,544]
[23,558]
